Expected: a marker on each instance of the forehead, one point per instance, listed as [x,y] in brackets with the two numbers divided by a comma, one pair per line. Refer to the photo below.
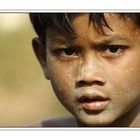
[81,22]
[83,25]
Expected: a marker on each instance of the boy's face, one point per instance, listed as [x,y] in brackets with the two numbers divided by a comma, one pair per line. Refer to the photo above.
[95,76]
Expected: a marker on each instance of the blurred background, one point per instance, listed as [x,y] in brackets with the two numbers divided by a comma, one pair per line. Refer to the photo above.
[25,95]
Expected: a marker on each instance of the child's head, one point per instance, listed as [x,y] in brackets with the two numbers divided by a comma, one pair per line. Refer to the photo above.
[92,61]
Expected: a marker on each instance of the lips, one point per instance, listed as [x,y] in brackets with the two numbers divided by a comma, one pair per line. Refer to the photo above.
[93,102]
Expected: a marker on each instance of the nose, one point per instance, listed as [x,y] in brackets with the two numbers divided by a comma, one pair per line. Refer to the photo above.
[90,73]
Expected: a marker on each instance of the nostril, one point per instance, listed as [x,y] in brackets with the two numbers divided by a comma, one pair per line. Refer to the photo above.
[80,84]
[88,83]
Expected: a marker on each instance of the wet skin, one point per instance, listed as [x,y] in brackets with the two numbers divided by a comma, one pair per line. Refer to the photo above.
[95,76]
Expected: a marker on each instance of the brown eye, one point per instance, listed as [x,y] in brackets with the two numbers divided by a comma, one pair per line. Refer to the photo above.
[69,51]
[114,49]
[66,53]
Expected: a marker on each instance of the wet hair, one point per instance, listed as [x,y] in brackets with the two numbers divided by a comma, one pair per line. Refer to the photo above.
[61,22]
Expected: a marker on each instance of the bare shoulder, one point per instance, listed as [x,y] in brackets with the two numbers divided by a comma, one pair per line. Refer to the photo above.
[67,121]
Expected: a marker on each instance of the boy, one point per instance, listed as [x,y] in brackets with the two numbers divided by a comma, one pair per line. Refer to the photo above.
[93,63]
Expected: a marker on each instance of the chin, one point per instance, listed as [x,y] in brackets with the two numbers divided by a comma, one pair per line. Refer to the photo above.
[95,122]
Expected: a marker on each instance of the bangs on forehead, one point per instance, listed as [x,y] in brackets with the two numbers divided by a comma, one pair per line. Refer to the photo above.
[62,22]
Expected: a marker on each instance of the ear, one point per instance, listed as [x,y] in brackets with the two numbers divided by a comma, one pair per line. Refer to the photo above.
[40,53]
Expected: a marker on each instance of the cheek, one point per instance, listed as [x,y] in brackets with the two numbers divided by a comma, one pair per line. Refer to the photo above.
[62,77]
[124,82]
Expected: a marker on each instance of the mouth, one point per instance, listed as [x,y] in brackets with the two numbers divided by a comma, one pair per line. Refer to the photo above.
[93,102]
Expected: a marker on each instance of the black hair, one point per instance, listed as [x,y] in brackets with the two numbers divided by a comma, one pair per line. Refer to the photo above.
[61,21]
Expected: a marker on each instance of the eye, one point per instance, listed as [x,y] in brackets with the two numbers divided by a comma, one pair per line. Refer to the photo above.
[113,50]
[66,53]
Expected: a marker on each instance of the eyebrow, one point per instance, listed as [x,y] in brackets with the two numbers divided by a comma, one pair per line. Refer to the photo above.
[105,41]
[68,43]
[69,40]
[110,39]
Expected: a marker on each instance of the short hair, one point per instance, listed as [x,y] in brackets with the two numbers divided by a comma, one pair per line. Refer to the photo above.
[61,22]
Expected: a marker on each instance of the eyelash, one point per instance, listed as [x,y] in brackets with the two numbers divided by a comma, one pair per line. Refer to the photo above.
[66,53]
[116,50]
[72,53]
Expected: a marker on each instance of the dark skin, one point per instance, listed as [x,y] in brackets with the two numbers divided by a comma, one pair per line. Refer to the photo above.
[100,72]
